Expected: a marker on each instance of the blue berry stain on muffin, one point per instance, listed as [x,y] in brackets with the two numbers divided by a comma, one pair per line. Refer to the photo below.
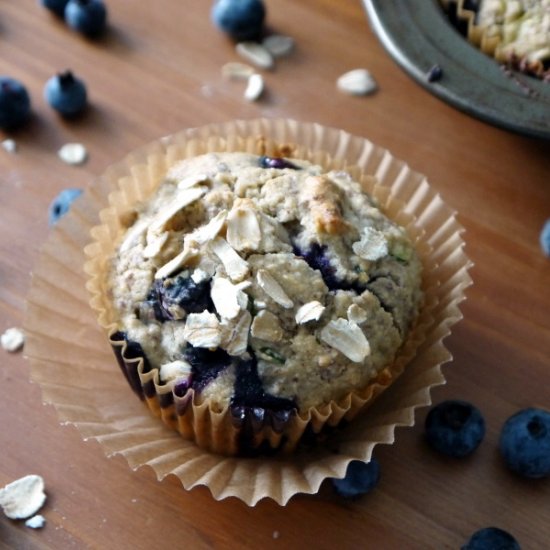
[66,94]
[61,204]
[525,443]
[276,162]
[206,364]
[173,298]
[491,538]
[250,393]
[240,19]
[454,428]
[15,103]
[316,258]
[361,478]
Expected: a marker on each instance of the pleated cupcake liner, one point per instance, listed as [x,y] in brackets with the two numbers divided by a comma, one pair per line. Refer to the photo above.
[72,361]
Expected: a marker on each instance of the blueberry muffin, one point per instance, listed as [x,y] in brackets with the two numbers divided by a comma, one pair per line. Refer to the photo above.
[262,289]
[514,32]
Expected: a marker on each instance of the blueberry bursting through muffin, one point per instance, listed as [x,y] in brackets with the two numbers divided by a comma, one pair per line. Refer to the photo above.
[263,285]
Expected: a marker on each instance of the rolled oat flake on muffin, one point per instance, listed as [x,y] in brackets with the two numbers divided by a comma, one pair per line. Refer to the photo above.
[258,289]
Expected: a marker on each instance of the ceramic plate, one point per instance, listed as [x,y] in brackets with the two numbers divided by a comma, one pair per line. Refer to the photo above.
[417,35]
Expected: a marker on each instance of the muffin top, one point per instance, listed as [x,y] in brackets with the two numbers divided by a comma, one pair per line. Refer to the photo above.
[522,28]
[264,282]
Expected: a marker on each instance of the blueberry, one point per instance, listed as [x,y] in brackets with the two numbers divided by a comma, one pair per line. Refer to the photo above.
[66,94]
[240,19]
[434,74]
[206,365]
[276,162]
[491,538]
[62,203]
[317,259]
[182,386]
[86,16]
[361,478]
[250,393]
[15,103]
[454,428]
[57,6]
[545,237]
[525,443]
[171,298]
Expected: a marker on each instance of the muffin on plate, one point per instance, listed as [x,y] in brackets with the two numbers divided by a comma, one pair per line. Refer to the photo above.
[255,296]
[514,32]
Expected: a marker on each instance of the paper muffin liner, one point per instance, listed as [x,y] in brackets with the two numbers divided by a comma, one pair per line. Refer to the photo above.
[465,20]
[489,40]
[223,431]
[71,359]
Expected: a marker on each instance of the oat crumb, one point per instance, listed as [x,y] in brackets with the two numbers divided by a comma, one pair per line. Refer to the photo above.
[10,146]
[357,82]
[23,497]
[276,534]
[73,153]
[13,339]
[36,522]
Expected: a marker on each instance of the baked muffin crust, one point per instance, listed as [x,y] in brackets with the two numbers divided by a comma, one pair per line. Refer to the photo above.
[264,282]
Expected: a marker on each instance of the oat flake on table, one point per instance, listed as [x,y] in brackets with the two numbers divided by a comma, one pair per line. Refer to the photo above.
[255,87]
[23,497]
[356,82]
[73,153]
[237,71]
[36,522]
[256,54]
[278,45]
[13,339]
[9,145]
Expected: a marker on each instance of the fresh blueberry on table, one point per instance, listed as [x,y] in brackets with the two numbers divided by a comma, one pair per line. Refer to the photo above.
[66,94]
[15,103]
[454,428]
[361,478]
[56,6]
[86,16]
[240,19]
[491,538]
[545,237]
[62,203]
[525,443]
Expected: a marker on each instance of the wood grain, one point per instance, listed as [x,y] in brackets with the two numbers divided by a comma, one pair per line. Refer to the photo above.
[157,71]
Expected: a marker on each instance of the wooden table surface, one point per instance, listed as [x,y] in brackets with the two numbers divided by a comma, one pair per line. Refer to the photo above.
[158,71]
